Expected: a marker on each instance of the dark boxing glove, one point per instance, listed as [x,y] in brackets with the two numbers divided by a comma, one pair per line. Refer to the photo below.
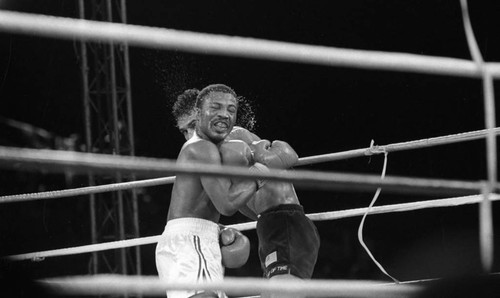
[242,134]
[278,155]
[259,168]
[235,248]
[235,153]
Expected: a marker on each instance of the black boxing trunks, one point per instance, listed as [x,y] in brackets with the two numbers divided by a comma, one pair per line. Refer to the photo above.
[288,241]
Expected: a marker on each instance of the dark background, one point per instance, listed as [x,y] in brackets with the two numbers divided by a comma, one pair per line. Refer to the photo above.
[317,109]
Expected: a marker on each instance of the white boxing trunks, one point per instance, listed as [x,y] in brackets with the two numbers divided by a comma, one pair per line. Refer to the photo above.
[189,251]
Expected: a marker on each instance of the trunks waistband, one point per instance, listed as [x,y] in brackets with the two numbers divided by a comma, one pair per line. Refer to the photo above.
[192,225]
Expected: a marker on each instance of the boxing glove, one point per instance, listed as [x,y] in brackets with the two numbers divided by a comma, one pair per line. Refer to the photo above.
[235,248]
[235,153]
[278,155]
[259,168]
[242,134]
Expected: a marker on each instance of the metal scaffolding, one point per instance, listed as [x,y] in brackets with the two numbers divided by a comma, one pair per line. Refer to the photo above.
[109,129]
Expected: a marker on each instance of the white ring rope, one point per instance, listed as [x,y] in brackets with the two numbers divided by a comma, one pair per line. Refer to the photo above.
[372,150]
[103,163]
[152,285]
[362,223]
[323,216]
[147,285]
[402,207]
[152,37]
[409,145]
[86,190]
[38,256]
[426,280]
[486,238]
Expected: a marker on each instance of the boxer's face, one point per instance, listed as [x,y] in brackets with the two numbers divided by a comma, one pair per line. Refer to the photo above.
[187,124]
[217,116]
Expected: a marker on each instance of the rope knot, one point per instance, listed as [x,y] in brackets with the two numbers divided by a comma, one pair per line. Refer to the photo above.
[375,149]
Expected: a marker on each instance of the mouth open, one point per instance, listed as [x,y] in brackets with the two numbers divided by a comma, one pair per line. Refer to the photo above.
[221,126]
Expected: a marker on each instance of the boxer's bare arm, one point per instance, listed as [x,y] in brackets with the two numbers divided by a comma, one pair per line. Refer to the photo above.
[226,196]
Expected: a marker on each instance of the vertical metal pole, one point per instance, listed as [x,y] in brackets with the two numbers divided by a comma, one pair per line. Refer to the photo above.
[88,133]
[128,96]
[116,138]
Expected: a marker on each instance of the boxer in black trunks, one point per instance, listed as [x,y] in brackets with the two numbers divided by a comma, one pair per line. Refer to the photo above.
[288,240]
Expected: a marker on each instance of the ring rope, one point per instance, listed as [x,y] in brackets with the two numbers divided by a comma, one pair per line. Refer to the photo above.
[409,145]
[323,216]
[426,280]
[154,37]
[112,284]
[152,285]
[80,191]
[486,238]
[402,207]
[486,216]
[104,163]
[372,150]
[362,223]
